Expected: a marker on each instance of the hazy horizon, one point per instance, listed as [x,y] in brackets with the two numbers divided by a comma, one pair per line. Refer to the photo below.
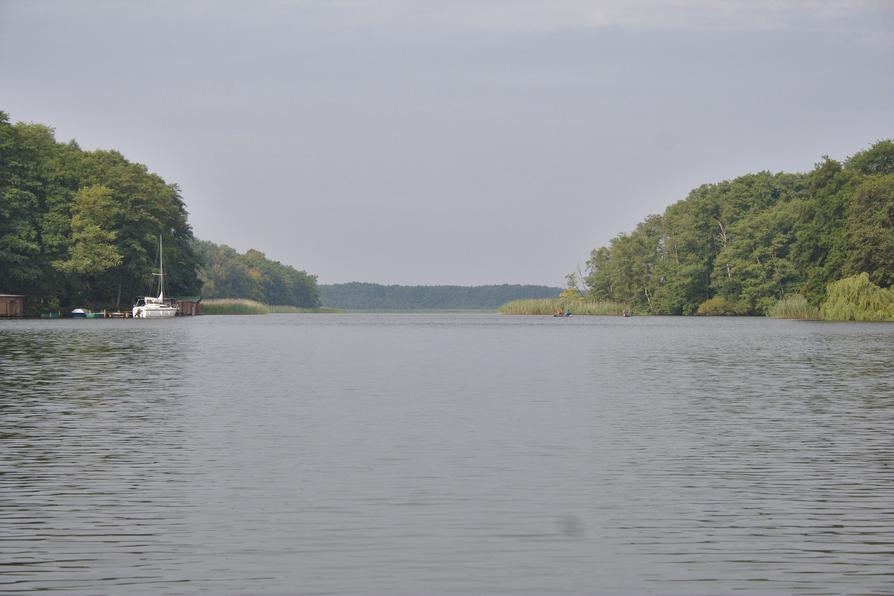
[463,143]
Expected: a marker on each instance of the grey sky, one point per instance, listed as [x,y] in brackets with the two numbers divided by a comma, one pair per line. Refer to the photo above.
[455,141]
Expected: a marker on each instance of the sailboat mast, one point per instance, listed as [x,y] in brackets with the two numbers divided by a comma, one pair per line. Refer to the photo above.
[161,270]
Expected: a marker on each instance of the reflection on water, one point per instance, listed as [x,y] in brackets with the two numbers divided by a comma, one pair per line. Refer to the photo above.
[471,454]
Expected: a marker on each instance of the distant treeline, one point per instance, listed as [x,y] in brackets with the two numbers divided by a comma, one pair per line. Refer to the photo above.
[369,296]
[80,228]
[227,274]
[738,247]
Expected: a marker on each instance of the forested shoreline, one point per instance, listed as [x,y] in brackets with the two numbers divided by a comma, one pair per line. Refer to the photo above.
[225,273]
[80,228]
[741,246]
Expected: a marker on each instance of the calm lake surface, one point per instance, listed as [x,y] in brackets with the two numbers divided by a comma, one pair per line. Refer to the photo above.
[446,454]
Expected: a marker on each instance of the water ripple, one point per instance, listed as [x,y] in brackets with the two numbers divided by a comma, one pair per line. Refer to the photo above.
[462,454]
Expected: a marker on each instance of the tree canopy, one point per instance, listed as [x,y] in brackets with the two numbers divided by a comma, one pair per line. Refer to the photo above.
[228,274]
[82,227]
[757,238]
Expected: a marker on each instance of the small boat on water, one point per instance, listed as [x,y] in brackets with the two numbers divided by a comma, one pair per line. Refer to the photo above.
[79,313]
[155,307]
[567,313]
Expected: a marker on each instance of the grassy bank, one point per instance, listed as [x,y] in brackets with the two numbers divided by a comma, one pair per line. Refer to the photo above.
[548,306]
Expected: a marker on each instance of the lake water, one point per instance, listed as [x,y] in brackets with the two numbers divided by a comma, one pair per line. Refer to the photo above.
[446,454]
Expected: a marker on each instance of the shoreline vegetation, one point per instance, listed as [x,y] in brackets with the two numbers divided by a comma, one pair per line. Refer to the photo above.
[550,306]
[854,298]
[795,307]
[858,299]
[79,229]
[815,245]
[359,296]
[225,273]
[244,306]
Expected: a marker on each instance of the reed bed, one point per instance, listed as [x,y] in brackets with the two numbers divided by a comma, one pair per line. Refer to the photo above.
[794,307]
[234,306]
[242,306]
[289,309]
[548,306]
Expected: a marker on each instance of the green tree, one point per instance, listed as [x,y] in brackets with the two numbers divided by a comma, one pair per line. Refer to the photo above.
[92,241]
[870,230]
[754,269]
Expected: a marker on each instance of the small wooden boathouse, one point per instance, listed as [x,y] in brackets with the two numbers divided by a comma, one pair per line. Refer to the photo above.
[189,306]
[12,305]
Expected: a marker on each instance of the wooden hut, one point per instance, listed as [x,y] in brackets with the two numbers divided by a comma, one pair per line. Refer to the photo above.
[189,305]
[12,305]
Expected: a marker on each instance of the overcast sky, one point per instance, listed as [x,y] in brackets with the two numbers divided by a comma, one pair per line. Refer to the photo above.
[455,141]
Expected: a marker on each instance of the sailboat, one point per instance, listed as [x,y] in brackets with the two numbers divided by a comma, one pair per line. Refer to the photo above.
[150,307]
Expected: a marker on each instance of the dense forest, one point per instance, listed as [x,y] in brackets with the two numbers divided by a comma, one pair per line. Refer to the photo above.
[739,246]
[81,228]
[227,274]
[368,296]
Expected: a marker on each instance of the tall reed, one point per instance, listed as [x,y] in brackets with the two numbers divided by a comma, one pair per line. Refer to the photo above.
[794,306]
[289,309]
[548,306]
[233,306]
[242,306]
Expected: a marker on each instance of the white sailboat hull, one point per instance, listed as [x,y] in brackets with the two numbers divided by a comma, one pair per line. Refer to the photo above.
[154,311]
